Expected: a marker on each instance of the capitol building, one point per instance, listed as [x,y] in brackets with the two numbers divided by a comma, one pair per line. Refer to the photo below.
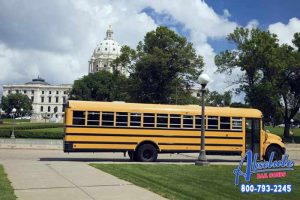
[104,55]
[47,100]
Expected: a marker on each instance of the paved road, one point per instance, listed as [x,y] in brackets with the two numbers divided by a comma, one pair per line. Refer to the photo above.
[52,174]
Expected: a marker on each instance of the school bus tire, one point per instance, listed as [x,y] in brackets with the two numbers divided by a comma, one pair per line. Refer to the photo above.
[277,152]
[147,153]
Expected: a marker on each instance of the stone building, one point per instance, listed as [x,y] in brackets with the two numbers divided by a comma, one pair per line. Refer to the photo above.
[105,53]
[47,100]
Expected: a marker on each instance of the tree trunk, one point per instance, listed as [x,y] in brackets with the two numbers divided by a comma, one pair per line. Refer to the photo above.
[287,123]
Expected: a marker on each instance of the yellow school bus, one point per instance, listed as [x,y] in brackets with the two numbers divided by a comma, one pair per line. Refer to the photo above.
[144,130]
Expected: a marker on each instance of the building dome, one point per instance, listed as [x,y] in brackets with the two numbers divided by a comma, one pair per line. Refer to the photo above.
[106,48]
[104,55]
[37,81]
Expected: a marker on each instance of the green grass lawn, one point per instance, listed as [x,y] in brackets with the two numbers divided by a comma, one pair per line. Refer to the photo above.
[6,191]
[188,182]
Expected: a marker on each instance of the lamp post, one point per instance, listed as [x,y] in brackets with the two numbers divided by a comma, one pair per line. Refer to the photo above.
[13,125]
[21,112]
[202,161]
[292,132]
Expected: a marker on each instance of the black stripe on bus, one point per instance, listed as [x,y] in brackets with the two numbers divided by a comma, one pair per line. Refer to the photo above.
[142,135]
[194,144]
[208,152]
[152,128]
[95,142]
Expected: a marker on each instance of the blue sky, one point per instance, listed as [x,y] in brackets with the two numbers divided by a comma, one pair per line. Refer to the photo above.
[266,12]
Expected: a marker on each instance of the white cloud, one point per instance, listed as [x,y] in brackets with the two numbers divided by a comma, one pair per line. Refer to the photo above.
[226,13]
[55,39]
[252,24]
[203,24]
[286,32]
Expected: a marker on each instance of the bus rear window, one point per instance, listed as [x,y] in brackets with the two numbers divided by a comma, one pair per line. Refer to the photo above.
[93,118]
[78,117]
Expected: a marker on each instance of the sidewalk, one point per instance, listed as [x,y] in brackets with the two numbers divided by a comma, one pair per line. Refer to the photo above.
[70,181]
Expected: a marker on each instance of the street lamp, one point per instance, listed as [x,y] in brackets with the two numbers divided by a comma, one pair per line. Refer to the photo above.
[13,125]
[21,112]
[292,132]
[202,161]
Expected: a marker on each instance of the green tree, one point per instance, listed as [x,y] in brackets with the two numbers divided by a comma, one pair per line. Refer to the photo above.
[163,67]
[216,99]
[271,72]
[101,86]
[16,101]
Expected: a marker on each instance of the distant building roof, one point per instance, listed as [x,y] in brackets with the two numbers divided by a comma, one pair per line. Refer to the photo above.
[37,81]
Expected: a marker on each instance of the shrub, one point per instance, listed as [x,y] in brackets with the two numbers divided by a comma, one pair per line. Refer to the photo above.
[29,126]
[50,133]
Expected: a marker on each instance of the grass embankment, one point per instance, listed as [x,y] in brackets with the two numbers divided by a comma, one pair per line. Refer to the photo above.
[6,190]
[279,131]
[188,182]
[33,130]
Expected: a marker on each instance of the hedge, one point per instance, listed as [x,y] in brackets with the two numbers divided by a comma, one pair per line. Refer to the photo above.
[34,133]
[29,126]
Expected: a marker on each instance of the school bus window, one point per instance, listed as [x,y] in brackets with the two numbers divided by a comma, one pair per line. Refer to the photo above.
[237,123]
[198,121]
[148,120]
[162,120]
[107,119]
[225,123]
[212,122]
[135,119]
[175,121]
[93,118]
[188,121]
[78,117]
[122,119]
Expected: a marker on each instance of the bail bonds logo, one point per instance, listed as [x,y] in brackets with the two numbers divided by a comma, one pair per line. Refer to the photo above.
[263,169]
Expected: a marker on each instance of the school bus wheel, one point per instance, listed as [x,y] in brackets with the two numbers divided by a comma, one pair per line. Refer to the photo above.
[146,153]
[277,152]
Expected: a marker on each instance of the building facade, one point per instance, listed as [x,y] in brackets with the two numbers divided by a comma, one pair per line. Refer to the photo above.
[47,100]
[104,54]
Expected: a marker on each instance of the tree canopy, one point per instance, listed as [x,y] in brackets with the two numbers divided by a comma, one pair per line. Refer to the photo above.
[271,71]
[17,101]
[101,86]
[163,66]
